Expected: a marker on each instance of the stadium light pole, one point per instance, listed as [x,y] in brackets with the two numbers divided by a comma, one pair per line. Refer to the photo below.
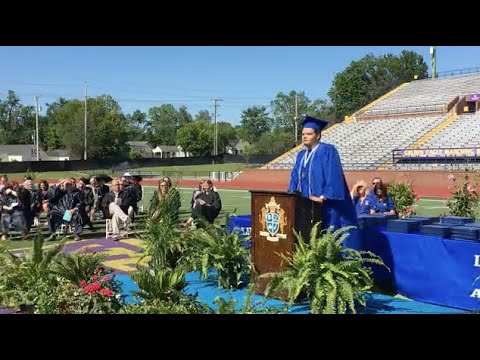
[36,125]
[85,126]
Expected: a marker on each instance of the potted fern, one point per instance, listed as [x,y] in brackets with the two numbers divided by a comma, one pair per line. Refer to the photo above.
[211,247]
[332,277]
[26,276]
[161,292]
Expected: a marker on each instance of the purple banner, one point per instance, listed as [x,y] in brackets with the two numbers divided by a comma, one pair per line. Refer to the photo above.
[441,153]
[473,97]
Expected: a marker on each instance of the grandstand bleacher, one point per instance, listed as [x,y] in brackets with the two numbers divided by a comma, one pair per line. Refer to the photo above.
[421,112]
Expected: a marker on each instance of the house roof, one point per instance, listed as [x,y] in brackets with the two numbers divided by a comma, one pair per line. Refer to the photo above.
[166,148]
[28,152]
[138,143]
[240,145]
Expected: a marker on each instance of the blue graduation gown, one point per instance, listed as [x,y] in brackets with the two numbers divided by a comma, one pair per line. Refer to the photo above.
[323,175]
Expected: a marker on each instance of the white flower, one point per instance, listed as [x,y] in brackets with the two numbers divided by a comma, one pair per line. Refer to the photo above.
[152,272]
[118,296]
[75,293]
[59,278]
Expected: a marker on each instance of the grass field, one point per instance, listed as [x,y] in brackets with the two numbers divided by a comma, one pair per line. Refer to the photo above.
[240,200]
[233,201]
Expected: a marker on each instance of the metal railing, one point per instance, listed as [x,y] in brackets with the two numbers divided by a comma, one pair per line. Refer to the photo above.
[406,110]
[457,72]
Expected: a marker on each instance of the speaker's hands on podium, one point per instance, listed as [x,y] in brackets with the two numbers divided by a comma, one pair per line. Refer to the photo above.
[320,199]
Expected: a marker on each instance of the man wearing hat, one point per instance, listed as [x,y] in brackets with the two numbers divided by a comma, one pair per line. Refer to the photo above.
[318,175]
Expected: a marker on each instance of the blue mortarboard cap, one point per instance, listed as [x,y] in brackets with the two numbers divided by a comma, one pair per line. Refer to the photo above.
[313,123]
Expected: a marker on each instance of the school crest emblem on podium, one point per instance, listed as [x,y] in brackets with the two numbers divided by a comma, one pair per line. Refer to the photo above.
[273,221]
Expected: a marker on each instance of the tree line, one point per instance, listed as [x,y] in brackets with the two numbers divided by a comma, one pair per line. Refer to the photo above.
[266,130]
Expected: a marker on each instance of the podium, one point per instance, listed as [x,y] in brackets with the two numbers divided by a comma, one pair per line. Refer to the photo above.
[275,216]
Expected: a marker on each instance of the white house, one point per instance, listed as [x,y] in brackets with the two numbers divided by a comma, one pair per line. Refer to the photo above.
[165,152]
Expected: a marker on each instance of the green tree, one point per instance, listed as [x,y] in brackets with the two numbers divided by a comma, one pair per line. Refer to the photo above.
[283,109]
[106,127]
[137,123]
[184,117]
[254,123]
[203,115]
[163,125]
[49,130]
[367,79]
[196,138]
[276,143]
[17,122]
[226,136]
[323,110]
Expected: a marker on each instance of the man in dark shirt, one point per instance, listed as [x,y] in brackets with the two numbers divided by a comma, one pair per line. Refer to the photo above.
[207,204]
[136,190]
[64,198]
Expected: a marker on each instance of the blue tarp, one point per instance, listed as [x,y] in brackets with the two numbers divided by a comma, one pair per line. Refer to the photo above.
[424,268]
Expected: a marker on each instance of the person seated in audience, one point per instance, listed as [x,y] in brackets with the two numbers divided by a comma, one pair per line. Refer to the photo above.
[3,182]
[92,184]
[165,201]
[376,182]
[64,198]
[117,206]
[127,180]
[33,212]
[360,198]
[207,205]
[88,200]
[195,194]
[102,189]
[14,201]
[43,199]
[136,189]
[382,201]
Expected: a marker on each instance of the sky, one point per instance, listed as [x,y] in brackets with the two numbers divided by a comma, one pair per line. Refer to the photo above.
[143,77]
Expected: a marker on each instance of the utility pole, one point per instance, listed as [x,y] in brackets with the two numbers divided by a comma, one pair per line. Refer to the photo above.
[36,125]
[85,126]
[215,131]
[296,118]
[433,53]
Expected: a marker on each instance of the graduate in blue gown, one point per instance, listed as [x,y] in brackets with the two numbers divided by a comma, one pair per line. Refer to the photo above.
[318,175]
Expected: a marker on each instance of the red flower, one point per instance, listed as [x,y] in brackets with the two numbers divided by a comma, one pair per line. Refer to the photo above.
[94,277]
[89,289]
[83,283]
[106,278]
[106,292]
[96,285]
